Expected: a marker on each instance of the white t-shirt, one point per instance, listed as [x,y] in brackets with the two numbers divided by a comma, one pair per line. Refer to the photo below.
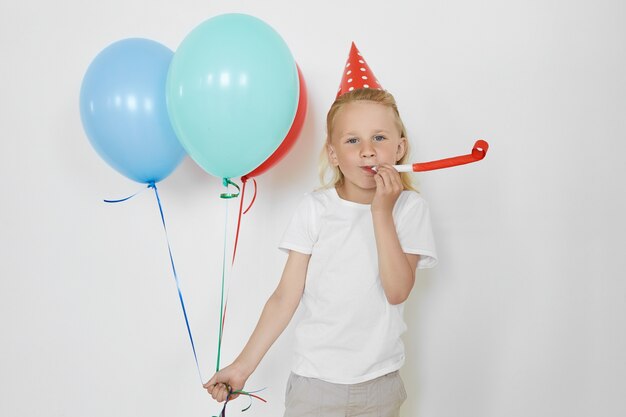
[348,332]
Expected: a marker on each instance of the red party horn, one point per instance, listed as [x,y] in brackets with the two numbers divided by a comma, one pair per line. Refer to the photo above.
[478,152]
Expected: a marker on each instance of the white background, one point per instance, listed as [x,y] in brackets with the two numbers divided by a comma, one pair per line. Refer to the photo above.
[525,314]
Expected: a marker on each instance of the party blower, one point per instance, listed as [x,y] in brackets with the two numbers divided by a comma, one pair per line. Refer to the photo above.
[478,152]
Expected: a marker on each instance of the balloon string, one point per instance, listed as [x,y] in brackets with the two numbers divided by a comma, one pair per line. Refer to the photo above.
[222,309]
[478,152]
[250,395]
[224,301]
[129,197]
[226,182]
[223,318]
[226,196]
[253,197]
[243,192]
[169,249]
[180,294]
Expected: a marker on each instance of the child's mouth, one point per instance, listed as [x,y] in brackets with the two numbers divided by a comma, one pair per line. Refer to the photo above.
[369,169]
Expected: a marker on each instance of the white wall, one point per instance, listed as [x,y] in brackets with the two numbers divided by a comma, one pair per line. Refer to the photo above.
[525,314]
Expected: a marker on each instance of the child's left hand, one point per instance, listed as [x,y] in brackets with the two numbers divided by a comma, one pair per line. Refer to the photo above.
[388,188]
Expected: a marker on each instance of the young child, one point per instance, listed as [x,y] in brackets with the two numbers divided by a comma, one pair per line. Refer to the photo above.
[353,246]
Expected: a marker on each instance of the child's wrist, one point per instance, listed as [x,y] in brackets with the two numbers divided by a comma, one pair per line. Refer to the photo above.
[382,211]
[244,367]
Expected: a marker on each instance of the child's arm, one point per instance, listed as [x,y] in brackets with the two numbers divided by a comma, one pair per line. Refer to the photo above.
[277,313]
[397,269]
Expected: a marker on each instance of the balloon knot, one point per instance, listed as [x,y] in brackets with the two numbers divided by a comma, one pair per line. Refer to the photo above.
[227,182]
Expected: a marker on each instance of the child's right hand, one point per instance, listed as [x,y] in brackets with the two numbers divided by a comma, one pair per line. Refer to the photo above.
[232,377]
[388,188]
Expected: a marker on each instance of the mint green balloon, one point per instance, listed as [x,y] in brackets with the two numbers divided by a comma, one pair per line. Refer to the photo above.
[232,93]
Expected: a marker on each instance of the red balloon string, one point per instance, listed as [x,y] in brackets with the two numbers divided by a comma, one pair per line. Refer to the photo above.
[478,152]
[244,180]
[253,197]
[241,196]
[257,397]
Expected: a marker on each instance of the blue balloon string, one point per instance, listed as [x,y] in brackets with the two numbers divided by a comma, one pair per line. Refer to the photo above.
[129,197]
[180,294]
[169,249]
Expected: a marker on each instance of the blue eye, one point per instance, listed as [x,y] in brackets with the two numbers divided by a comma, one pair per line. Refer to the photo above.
[379,138]
[352,140]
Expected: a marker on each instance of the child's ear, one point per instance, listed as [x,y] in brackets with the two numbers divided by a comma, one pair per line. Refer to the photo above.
[332,155]
[401,149]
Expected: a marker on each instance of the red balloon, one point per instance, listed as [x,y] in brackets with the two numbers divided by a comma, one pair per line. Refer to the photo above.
[290,138]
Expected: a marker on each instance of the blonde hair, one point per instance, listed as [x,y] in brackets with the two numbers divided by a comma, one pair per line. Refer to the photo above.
[362,94]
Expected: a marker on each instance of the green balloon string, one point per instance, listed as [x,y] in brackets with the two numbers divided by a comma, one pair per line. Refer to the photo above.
[226,182]
[250,394]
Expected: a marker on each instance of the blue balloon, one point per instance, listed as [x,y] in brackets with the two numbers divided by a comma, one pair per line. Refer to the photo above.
[124,113]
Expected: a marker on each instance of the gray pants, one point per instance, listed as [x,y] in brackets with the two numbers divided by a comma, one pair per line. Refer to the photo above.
[309,397]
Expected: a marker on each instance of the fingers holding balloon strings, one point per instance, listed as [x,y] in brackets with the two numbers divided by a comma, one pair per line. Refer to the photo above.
[219,391]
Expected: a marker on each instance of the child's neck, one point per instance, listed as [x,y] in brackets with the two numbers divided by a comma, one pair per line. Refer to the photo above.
[359,196]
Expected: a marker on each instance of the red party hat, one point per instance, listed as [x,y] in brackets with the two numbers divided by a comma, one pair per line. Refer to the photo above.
[357,74]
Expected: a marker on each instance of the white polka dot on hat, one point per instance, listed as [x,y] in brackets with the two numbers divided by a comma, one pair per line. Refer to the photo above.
[367,78]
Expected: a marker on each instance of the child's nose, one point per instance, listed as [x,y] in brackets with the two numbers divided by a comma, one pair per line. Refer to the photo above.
[367,151]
